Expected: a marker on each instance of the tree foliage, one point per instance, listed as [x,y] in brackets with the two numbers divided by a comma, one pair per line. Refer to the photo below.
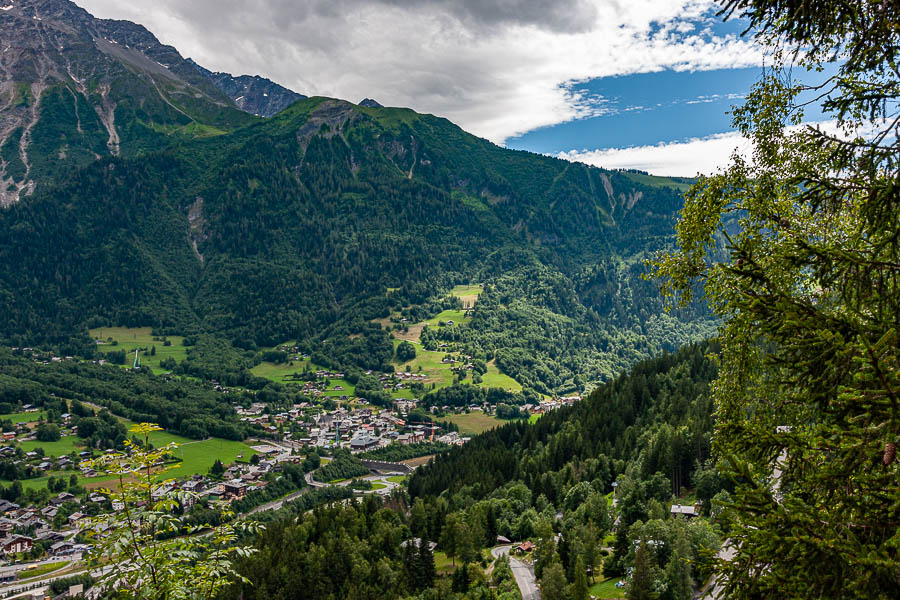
[131,542]
[807,394]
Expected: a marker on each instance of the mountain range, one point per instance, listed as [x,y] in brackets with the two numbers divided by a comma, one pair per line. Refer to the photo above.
[141,191]
[74,88]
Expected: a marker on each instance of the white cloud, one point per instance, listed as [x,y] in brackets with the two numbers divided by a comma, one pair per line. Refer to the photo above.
[497,72]
[702,156]
[684,158]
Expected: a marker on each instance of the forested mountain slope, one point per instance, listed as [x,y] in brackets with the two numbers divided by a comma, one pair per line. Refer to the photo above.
[295,227]
[656,419]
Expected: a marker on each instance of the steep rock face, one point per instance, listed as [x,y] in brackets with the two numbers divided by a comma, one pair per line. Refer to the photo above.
[251,93]
[74,89]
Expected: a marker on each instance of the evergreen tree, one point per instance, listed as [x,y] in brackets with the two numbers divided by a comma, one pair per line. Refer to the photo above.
[450,536]
[641,585]
[580,585]
[553,582]
[461,579]
[426,564]
[797,249]
[217,469]
[678,570]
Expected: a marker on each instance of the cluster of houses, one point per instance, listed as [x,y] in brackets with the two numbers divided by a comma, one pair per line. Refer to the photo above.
[550,404]
[359,429]
[37,522]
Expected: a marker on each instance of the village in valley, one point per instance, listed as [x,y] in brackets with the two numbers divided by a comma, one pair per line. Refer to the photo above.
[331,437]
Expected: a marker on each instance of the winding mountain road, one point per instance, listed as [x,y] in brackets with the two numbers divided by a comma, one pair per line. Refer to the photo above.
[523,574]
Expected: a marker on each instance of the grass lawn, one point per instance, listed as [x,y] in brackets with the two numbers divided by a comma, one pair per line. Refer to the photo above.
[397,478]
[349,389]
[607,589]
[449,315]
[64,446]
[440,374]
[378,486]
[199,456]
[437,372]
[276,372]
[534,418]
[474,422]
[442,563]
[41,570]
[22,417]
[129,338]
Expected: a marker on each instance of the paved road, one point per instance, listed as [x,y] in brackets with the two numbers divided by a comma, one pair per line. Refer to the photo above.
[715,590]
[523,574]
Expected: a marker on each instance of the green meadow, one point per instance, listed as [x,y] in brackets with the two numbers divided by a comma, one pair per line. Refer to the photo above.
[130,338]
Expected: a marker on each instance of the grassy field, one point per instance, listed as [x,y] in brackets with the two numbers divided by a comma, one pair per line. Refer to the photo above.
[607,589]
[22,417]
[440,374]
[467,293]
[397,478]
[457,316]
[474,422]
[196,456]
[442,563]
[276,372]
[64,446]
[430,364]
[494,378]
[534,418]
[129,338]
[199,456]
[418,461]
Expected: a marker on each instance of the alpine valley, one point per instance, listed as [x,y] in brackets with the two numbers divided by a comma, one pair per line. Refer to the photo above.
[305,291]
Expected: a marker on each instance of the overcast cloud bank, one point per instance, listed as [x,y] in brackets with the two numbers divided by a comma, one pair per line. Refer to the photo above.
[498,69]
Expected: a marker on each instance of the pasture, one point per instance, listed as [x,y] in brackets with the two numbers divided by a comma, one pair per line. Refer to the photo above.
[23,417]
[474,422]
[468,294]
[131,338]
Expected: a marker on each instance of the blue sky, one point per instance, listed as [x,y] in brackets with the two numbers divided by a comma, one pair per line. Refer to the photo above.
[667,122]
[647,108]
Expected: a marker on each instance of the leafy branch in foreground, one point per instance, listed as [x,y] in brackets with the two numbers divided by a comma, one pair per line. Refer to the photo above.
[808,393]
[130,555]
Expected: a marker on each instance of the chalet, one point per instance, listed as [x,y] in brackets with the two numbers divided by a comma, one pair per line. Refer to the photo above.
[62,498]
[685,510]
[16,543]
[236,489]
[524,547]
[417,543]
[194,486]
[49,535]
[62,548]
[9,435]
